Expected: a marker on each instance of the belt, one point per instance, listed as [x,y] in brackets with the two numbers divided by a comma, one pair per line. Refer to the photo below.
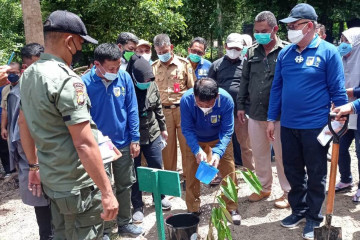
[172,106]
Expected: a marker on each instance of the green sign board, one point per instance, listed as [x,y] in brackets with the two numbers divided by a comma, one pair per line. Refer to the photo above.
[159,182]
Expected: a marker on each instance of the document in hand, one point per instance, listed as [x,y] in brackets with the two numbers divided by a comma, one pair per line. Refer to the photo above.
[325,136]
[108,151]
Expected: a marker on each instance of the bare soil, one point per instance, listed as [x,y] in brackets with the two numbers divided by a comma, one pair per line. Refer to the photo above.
[260,221]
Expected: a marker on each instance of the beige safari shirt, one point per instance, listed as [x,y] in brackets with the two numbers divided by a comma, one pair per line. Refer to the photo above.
[4,93]
[178,71]
[53,97]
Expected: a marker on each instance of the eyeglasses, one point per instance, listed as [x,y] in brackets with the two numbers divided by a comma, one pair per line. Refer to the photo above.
[294,26]
[193,51]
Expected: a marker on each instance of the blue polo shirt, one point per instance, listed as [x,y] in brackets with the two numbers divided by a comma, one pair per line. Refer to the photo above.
[305,84]
[114,108]
[199,127]
[202,68]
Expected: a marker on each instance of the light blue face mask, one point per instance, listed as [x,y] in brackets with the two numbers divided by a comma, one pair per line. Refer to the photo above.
[344,48]
[109,76]
[143,86]
[263,38]
[165,57]
[244,51]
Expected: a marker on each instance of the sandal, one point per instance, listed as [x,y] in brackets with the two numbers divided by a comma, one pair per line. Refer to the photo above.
[356,197]
[216,181]
[341,187]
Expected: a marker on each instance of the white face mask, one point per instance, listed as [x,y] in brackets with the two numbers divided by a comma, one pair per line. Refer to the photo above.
[147,56]
[296,36]
[205,110]
[233,53]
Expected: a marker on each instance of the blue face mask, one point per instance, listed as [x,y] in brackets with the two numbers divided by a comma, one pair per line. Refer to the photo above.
[344,48]
[165,57]
[263,38]
[143,86]
[13,78]
[109,76]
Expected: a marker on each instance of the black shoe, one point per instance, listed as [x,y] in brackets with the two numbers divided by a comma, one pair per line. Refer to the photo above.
[184,185]
[130,230]
[308,232]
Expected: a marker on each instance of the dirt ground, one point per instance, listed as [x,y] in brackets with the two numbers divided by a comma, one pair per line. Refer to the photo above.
[260,221]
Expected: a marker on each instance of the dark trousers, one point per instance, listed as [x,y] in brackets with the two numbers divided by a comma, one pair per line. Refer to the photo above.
[344,155]
[305,166]
[43,218]
[4,155]
[237,150]
[153,156]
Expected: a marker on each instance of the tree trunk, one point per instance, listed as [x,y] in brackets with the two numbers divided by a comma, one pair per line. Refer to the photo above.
[32,21]
[220,31]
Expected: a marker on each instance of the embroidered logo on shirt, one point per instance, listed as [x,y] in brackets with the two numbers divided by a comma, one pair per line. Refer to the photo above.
[214,119]
[189,70]
[123,91]
[116,91]
[317,62]
[80,96]
[310,61]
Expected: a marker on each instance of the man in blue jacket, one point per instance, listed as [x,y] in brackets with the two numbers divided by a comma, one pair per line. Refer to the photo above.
[115,112]
[207,120]
[308,77]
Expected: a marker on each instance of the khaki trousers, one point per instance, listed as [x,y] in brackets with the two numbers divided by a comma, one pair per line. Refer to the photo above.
[169,153]
[226,166]
[242,135]
[262,153]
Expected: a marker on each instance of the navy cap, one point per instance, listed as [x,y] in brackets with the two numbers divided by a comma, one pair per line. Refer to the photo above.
[301,11]
[67,22]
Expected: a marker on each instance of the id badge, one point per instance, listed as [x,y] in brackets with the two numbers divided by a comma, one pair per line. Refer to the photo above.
[176,87]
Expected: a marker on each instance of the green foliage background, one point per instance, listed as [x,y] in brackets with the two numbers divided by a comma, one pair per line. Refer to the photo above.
[181,19]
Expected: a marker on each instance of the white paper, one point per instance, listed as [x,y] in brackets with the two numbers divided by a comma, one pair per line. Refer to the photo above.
[106,148]
[353,121]
[325,136]
[163,143]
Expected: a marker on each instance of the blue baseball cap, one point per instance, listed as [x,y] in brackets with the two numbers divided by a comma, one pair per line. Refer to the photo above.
[301,11]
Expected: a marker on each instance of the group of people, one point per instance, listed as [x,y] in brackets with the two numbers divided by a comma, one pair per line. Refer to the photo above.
[270,94]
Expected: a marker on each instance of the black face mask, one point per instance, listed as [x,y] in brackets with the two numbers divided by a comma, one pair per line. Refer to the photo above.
[13,78]
[77,56]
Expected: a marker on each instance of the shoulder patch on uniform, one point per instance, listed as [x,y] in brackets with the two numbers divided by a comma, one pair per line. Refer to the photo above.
[80,94]
[190,70]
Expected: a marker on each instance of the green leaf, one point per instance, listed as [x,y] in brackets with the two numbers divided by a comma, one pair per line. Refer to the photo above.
[230,189]
[255,178]
[228,233]
[226,214]
[253,184]
[226,192]
[221,202]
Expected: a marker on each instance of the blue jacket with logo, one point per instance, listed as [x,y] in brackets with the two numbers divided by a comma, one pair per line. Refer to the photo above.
[199,127]
[202,69]
[305,84]
[114,108]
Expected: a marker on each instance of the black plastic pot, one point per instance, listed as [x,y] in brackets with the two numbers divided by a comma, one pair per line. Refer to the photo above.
[182,226]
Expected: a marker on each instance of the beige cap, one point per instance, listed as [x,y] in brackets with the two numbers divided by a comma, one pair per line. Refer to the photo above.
[144,42]
[235,40]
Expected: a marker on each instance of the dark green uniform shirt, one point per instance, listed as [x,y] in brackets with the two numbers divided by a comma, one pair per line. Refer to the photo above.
[152,119]
[53,97]
[257,76]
